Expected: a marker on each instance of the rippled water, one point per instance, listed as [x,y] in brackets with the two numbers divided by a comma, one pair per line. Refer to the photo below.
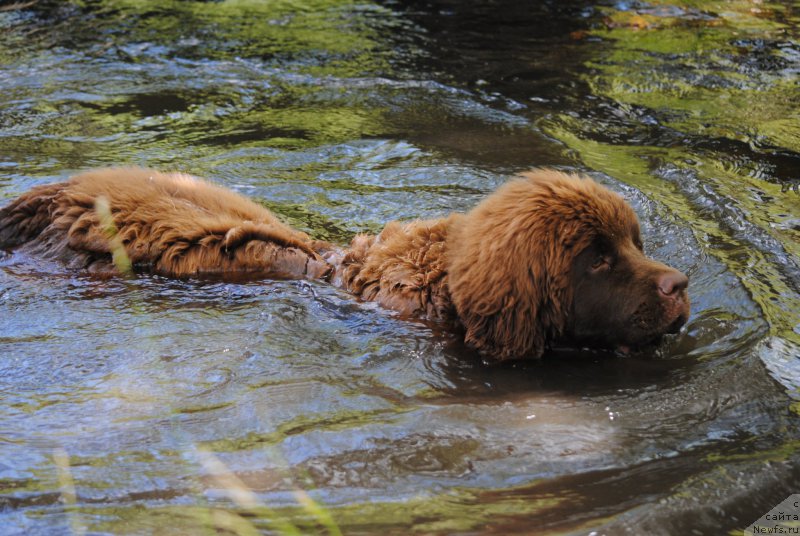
[147,405]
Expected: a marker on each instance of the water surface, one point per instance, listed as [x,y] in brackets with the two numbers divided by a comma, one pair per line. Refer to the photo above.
[147,405]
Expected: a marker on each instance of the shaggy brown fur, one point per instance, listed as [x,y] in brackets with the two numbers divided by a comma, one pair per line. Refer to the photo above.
[547,257]
[169,223]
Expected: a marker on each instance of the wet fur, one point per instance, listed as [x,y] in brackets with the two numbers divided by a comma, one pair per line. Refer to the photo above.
[502,272]
[168,223]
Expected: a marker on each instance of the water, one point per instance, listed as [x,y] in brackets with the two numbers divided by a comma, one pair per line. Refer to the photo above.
[147,405]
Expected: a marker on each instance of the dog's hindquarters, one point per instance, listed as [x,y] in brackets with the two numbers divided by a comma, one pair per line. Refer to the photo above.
[26,217]
[168,224]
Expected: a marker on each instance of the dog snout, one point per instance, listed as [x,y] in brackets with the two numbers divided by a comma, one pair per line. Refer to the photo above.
[672,282]
[672,285]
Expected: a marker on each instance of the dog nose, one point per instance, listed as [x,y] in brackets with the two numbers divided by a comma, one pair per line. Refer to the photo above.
[672,282]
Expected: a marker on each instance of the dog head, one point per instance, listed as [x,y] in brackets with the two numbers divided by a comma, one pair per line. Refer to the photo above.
[552,256]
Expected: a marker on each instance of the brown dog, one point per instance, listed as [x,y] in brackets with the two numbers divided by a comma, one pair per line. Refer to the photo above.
[547,257]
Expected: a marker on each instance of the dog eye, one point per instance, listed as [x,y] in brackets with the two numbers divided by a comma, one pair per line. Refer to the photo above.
[601,262]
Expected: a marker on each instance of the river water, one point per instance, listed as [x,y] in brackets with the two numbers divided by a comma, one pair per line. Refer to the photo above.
[152,406]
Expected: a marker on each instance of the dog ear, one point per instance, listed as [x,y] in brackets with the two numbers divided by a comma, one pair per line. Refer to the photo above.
[503,329]
[502,301]
[508,270]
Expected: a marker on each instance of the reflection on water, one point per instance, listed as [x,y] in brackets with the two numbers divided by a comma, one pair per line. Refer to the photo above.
[130,405]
